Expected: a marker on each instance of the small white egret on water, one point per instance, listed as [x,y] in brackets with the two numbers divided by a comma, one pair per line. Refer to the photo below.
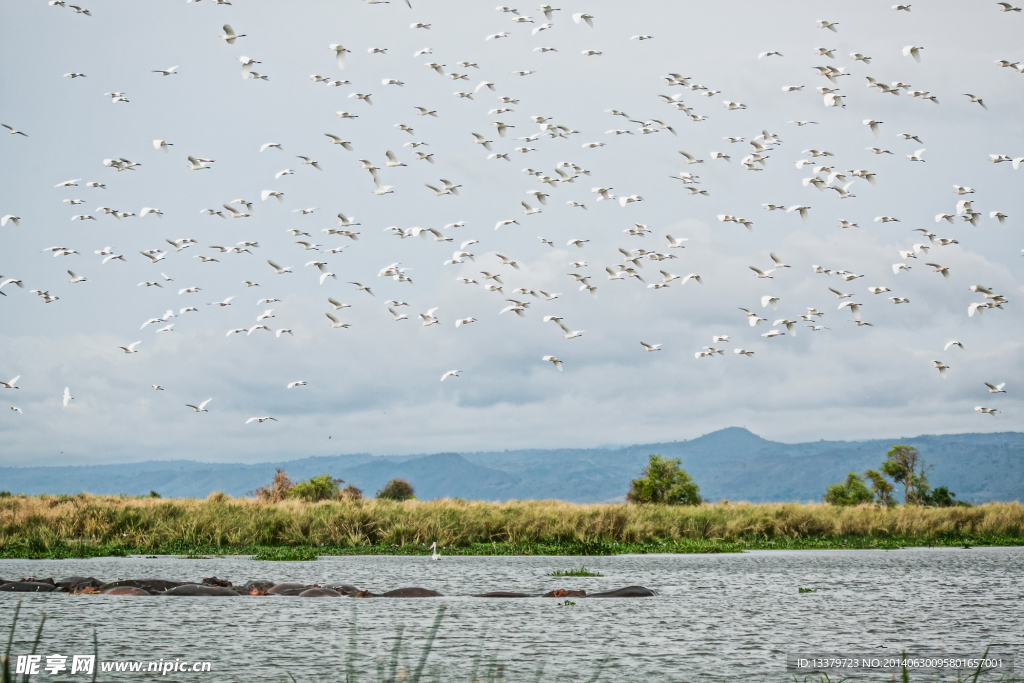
[435,556]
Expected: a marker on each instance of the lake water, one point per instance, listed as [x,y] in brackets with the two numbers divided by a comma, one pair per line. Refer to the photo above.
[718,617]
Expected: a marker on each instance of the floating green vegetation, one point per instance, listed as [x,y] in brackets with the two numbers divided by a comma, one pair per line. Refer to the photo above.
[568,603]
[808,590]
[575,571]
[286,554]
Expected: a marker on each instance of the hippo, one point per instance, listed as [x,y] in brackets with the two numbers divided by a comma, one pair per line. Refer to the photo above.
[214,581]
[126,590]
[193,589]
[35,580]
[319,593]
[563,593]
[627,592]
[73,584]
[343,588]
[27,587]
[505,594]
[159,585]
[411,593]
[254,587]
[281,588]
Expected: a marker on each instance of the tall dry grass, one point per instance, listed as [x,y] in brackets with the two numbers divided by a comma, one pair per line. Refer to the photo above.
[221,521]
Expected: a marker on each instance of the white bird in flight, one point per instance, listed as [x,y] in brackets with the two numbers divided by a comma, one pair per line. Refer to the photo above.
[913,51]
[551,359]
[201,408]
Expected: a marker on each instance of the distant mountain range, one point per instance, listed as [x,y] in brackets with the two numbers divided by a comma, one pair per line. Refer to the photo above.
[731,464]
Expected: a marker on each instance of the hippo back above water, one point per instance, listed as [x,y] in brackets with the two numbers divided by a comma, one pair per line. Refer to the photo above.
[414,592]
[198,589]
[27,587]
[319,593]
[159,585]
[627,592]
[126,590]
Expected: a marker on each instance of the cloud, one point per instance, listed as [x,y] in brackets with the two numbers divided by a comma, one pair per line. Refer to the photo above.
[375,386]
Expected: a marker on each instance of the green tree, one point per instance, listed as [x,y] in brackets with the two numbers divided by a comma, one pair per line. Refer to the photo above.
[904,465]
[397,489]
[664,482]
[850,492]
[941,497]
[881,489]
[324,487]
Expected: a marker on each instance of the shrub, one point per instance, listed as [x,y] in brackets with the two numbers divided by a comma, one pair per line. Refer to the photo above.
[154,494]
[277,490]
[941,497]
[218,497]
[880,488]
[850,492]
[665,482]
[397,489]
[350,492]
[324,487]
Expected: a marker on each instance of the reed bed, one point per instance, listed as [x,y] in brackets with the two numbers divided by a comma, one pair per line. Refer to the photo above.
[38,525]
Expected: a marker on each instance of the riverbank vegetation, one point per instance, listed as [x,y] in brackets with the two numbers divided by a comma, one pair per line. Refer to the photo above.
[903,464]
[85,526]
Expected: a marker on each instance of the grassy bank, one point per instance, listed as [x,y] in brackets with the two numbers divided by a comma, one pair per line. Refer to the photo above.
[85,526]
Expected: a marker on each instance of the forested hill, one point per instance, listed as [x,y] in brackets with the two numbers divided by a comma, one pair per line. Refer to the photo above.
[731,464]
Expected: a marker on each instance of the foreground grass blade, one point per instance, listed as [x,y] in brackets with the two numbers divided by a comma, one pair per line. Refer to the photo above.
[350,656]
[10,639]
[393,673]
[428,645]
[35,645]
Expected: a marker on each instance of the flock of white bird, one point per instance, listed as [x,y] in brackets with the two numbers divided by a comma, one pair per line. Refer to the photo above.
[630,262]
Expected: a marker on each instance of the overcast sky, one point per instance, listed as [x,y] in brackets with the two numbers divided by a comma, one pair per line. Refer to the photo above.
[374,387]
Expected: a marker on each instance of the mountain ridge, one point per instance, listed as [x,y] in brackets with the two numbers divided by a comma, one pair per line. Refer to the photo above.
[731,463]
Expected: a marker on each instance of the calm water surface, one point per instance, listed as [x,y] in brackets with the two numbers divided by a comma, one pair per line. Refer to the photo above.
[719,617]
